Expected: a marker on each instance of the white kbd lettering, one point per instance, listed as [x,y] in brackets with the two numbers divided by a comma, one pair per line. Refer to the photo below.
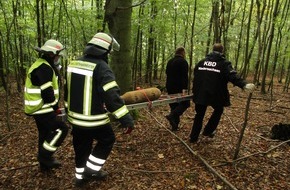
[209,63]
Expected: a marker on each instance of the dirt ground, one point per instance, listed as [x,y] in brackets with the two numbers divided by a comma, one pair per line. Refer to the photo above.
[153,157]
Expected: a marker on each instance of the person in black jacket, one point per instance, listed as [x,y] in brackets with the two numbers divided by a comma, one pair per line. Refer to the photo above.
[211,77]
[92,92]
[41,98]
[177,82]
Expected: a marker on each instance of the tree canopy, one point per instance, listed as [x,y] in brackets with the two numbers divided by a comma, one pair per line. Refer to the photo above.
[255,34]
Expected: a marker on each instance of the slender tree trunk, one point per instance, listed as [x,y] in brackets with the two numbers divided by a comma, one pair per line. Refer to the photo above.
[136,51]
[285,14]
[284,62]
[216,22]
[187,23]
[271,36]
[2,65]
[278,42]
[209,32]
[149,58]
[191,46]
[163,61]
[17,72]
[225,23]
[42,21]
[38,25]
[155,61]
[259,36]
[248,32]
[275,59]
[265,32]
[155,49]
[287,80]
[175,25]
[150,46]
[240,37]
[140,61]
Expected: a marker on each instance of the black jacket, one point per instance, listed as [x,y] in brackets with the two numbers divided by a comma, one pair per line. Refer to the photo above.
[211,77]
[102,75]
[177,75]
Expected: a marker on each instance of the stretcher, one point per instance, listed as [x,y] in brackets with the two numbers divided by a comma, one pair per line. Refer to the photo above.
[162,100]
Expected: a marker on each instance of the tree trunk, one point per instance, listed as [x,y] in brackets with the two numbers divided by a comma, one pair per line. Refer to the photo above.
[118,15]
[2,76]
[264,42]
[38,25]
[216,22]
[136,51]
[190,54]
[260,14]
[246,54]
[271,36]
[155,62]
[149,58]
[150,46]
[238,50]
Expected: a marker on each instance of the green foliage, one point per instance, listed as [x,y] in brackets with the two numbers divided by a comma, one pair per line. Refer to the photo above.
[169,23]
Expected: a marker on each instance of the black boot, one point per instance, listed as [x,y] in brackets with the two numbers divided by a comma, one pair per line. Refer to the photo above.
[210,135]
[97,175]
[172,121]
[80,182]
[47,161]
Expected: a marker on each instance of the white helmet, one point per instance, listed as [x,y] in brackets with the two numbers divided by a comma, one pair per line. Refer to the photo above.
[52,46]
[105,41]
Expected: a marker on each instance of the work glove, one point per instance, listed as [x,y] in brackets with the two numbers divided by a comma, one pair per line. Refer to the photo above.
[250,87]
[184,92]
[58,111]
[128,130]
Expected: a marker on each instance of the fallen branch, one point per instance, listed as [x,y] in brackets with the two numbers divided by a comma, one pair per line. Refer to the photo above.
[258,153]
[278,112]
[231,122]
[154,171]
[244,126]
[283,107]
[4,137]
[21,167]
[267,139]
[197,155]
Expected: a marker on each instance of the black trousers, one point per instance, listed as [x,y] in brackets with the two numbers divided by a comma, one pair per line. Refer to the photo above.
[83,139]
[48,128]
[177,109]
[212,123]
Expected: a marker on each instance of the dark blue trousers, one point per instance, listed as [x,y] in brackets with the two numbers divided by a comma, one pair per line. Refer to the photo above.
[212,123]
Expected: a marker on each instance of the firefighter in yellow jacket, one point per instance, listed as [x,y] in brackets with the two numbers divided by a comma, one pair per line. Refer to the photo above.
[91,91]
[41,95]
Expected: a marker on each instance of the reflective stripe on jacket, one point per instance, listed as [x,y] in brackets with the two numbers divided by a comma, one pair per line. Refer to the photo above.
[33,102]
[82,116]
[85,95]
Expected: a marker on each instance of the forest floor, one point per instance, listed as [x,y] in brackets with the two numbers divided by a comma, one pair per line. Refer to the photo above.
[154,158]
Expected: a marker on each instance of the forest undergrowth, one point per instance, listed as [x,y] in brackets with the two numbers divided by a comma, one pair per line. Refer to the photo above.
[153,157]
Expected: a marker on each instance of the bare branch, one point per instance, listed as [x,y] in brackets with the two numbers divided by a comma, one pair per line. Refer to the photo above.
[195,153]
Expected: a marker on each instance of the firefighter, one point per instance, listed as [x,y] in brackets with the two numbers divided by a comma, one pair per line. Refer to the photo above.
[91,91]
[41,94]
